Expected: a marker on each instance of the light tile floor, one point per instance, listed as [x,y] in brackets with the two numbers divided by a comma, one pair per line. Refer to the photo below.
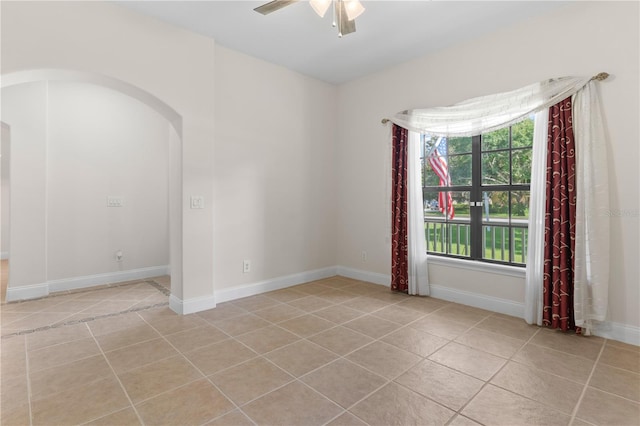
[331,352]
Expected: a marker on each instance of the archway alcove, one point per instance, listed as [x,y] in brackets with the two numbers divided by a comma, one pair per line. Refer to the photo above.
[29,288]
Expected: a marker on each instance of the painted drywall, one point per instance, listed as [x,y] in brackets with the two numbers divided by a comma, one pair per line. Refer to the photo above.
[5,202]
[102,143]
[274,173]
[98,143]
[28,184]
[582,38]
[174,65]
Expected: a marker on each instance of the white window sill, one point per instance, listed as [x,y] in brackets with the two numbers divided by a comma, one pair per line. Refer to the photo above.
[474,265]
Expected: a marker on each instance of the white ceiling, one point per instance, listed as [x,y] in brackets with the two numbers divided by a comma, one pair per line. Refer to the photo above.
[388,32]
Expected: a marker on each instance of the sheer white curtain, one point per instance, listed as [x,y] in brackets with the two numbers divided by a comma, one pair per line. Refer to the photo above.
[591,280]
[417,246]
[535,249]
[488,113]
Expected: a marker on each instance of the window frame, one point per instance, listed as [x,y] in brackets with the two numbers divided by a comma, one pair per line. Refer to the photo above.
[476,221]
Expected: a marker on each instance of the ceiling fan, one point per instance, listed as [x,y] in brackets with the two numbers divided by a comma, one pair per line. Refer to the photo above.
[344,11]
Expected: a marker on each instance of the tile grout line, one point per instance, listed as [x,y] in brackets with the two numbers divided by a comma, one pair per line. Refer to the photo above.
[574,413]
[339,357]
[305,338]
[343,357]
[379,339]
[59,323]
[117,378]
[457,413]
[237,407]
[83,320]
[28,378]
[487,382]
[386,383]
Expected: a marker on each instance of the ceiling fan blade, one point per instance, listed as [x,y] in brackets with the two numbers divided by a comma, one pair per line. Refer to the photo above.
[274,5]
[345,25]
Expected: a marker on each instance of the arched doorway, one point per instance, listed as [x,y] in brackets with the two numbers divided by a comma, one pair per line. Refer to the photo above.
[40,287]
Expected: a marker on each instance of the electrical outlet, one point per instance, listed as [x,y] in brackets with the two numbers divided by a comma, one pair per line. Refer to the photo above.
[246,266]
[119,256]
[364,255]
[113,201]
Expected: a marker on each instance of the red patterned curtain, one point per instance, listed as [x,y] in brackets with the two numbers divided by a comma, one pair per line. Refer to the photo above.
[399,223]
[559,239]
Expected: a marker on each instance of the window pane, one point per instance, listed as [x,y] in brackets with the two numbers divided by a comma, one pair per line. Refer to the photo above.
[439,203]
[443,236]
[495,240]
[460,169]
[429,178]
[460,205]
[520,207]
[521,166]
[520,238]
[495,207]
[436,234]
[495,168]
[448,238]
[459,239]
[435,162]
[459,145]
[496,140]
[432,205]
[522,133]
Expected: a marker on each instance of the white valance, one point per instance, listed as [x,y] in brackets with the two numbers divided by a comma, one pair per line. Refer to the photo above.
[488,113]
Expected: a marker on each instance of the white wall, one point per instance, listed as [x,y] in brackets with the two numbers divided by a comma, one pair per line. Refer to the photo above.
[5,202]
[28,184]
[98,143]
[274,171]
[174,65]
[583,38]
[102,143]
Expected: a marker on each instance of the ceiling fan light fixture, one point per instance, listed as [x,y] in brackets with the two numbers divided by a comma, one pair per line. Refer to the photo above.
[320,6]
[354,9]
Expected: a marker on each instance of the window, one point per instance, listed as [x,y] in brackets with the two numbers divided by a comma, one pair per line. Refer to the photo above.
[476,194]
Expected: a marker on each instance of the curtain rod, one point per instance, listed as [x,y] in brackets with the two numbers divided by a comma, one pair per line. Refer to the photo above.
[598,77]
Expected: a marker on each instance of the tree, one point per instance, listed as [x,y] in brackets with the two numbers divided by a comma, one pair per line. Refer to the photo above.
[506,155]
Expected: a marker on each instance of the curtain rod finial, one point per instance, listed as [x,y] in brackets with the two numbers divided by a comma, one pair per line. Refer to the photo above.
[600,76]
[384,120]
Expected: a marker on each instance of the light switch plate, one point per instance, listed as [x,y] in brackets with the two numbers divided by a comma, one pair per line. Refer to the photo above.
[197,202]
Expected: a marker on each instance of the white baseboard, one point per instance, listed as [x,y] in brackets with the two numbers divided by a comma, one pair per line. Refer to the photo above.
[26,292]
[277,283]
[616,331]
[107,278]
[606,329]
[4,255]
[41,290]
[490,303]
[494,304]
[190,306]
[357,274]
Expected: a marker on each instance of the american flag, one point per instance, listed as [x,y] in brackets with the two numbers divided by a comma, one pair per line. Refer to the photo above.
[438,162]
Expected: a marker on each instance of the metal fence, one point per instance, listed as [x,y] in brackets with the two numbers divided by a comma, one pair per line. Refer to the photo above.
[501,241]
